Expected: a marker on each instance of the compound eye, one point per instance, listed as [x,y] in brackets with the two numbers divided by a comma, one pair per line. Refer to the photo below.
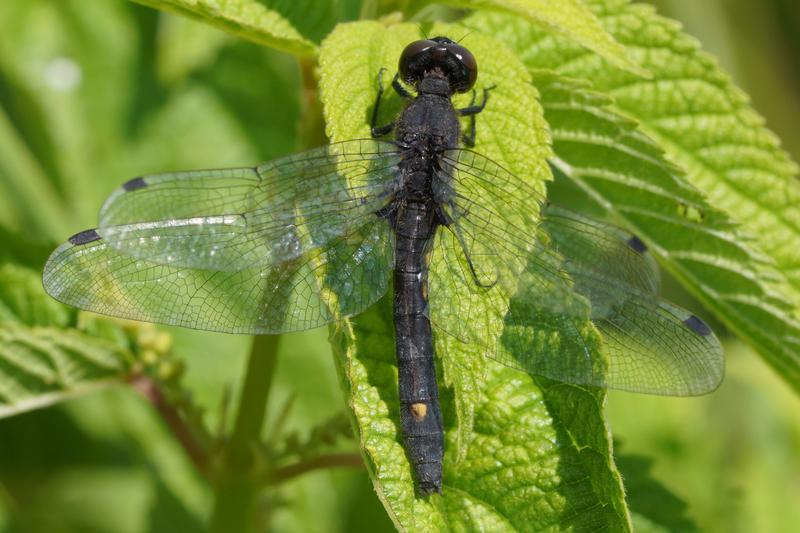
[409,55]
[470,72]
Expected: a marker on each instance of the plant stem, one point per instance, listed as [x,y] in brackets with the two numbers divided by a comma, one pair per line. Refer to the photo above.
[351,460]
[186,435]
[237,489]
[311,128]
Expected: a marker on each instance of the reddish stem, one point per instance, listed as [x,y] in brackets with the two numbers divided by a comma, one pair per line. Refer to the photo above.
[284,473]
[151,391]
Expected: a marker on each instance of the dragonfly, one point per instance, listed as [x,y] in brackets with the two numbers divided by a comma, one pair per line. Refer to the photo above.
[306,240]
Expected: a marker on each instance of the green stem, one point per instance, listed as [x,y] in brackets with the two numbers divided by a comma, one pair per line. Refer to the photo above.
[237,489]
[311,128]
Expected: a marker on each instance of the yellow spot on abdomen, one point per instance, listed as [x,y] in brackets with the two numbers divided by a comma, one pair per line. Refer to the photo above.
[419,411]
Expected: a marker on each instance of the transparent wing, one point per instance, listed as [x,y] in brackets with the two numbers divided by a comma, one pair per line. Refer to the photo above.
[614,253]
[226,265]
[320,286]
[245,218]
[652,345]
[539,286]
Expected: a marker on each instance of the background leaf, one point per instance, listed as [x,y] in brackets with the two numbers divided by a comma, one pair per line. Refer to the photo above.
[691,108]
[249,19]
[42,360]
[539,457]
[653,508]
[569,18]
[624,173]
[730,277]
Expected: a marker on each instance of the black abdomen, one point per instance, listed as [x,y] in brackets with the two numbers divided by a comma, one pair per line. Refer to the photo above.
[420,416]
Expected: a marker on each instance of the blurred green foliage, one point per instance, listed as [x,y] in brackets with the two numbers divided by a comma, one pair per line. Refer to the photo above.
[91,97]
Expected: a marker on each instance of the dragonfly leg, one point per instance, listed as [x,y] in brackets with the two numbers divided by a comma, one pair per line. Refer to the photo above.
[388,212]
[470,111]
[443,218]
[399,89]
[475,277]
[379,131]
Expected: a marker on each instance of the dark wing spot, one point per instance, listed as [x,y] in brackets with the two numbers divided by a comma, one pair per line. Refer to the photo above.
[84,237]
[637,245]
[135,183]
[698,326]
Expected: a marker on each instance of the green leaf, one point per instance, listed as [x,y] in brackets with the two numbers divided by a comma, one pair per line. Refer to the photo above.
[249,19]
[22,300]
[654,509]
[186,45]
[502,427]
[22,250]
[626,173]
[539,457]
[42,361]
[694,112]
[623,171]
[42,366]
[570,19]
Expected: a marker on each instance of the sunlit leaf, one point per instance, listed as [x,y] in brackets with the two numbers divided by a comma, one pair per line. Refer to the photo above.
[570,19]
[711,251]
[693,110]
[249,19]
[502,426]
[625,172]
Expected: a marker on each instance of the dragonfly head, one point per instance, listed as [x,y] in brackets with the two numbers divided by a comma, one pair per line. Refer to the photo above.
[440,57]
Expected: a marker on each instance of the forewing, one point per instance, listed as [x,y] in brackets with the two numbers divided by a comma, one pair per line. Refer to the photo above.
[251,218]
[291,245]
[545,283]
[322,285]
